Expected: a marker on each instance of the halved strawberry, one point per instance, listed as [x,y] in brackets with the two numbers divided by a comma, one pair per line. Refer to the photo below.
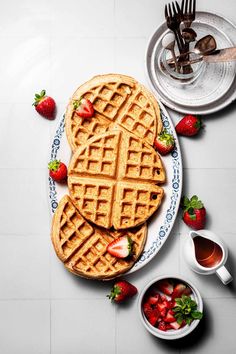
[175,325]
[162,326]
[178,291]
[165,286]
[164,142]
[120,247]
[169,317]
[83,108]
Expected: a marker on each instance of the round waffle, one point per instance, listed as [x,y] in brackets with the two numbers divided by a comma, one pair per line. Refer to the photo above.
[82,247]
[112,180]
[116,99]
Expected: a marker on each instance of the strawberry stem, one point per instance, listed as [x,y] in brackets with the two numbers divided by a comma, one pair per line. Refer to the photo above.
[54,165]
[39,97]
[114,292]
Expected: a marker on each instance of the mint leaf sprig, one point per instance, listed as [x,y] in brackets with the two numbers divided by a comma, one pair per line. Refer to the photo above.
[186,310]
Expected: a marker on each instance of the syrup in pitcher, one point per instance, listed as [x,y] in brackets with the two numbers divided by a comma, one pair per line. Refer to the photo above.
[208,253]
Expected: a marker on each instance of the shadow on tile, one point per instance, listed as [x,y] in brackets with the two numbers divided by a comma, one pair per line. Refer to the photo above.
[159,258]
[231,266]
[90,284]
[231,108]
[193,340]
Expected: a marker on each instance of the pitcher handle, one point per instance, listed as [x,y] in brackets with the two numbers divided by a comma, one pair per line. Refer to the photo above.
[224,275]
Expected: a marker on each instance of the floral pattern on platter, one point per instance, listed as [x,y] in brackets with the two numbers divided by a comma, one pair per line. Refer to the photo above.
[164,229]
[53,156]
[172,209]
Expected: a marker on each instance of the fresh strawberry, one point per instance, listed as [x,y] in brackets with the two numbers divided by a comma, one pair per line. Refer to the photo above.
[44,105]
[162,326]
[164,142]
[194,213]
[83,108]
[189,125]
[165,286]
[175,325]
[121,291]
[178,291]
[120,247]
[57,170]
[169,317]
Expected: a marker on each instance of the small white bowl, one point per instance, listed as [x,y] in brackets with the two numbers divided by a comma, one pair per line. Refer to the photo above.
[170,334]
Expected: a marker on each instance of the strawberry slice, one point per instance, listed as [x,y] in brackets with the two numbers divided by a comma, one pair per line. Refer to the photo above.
[165,286]
[83,108]
[162,326]
[147,309]
[153,320]
[163,298]
[171,304]
[169,317]
[153,300]
[121,247]
[168,326]
[187,291]
[162,309]
[178,291]
[175,325]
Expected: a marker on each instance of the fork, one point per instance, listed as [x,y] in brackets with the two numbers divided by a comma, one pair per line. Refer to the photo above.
[173,21]
[188,12]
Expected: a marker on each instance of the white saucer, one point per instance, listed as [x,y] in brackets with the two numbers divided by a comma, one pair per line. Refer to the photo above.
[214,89]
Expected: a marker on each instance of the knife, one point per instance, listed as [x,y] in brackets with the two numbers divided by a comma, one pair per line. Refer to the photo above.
[218,56]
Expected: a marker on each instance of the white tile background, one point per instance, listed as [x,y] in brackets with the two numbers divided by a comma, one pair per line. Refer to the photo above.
[56,45]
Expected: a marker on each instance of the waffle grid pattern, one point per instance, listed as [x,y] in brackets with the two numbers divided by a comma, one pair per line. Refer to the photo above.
[99,157]
[137,204]
[116,99]
[82,247]
[141,163]
[125,172]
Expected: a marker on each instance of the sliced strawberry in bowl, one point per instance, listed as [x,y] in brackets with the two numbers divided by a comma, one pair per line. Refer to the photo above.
[175,325]
[174,315]
[162,309]
[162,326]
[169,317]
[147,309]
[178,291]
[165,286]
[152,300]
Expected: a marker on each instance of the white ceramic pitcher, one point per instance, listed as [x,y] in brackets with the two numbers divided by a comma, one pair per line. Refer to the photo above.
[190,256]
